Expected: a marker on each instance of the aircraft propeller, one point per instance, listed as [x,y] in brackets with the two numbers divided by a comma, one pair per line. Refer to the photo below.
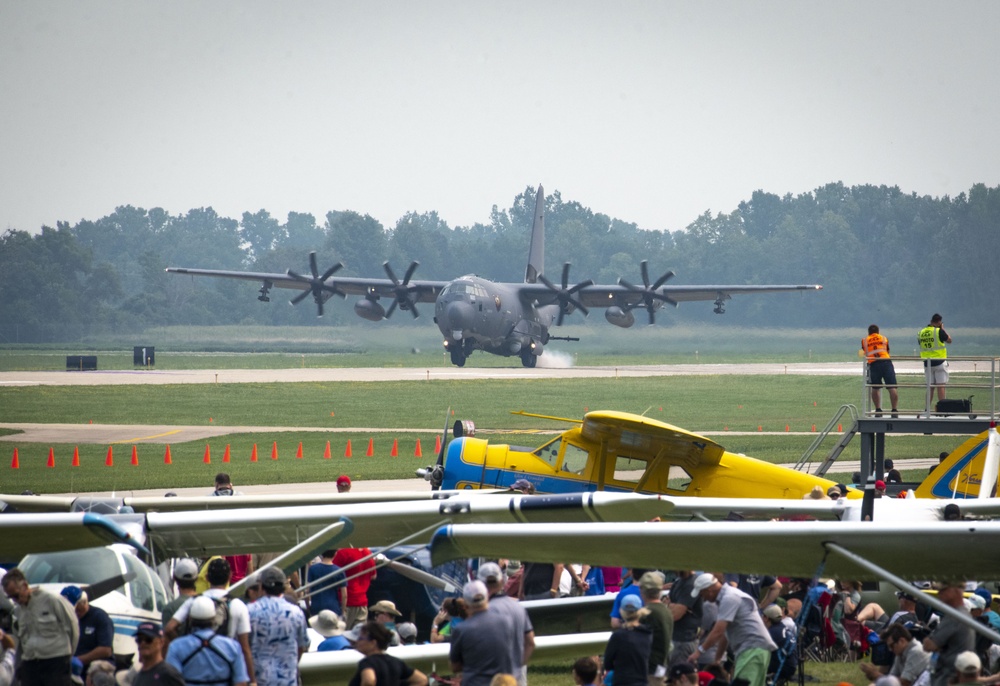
[317,284]
[404,291]
[565,294]
[648,293]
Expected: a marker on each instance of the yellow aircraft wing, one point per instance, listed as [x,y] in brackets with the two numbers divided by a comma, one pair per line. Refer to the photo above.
[623,429]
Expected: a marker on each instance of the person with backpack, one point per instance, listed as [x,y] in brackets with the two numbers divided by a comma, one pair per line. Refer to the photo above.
[232,617]
[205,656]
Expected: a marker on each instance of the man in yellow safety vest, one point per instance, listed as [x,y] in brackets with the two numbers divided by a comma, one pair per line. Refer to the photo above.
[932,339]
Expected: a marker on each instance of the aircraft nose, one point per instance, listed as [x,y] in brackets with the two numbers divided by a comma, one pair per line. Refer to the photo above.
[458,317]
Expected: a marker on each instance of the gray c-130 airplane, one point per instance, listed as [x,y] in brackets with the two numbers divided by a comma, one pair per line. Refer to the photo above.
[503,319]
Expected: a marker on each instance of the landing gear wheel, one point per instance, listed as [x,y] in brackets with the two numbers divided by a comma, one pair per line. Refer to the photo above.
[528,359]
[458,357]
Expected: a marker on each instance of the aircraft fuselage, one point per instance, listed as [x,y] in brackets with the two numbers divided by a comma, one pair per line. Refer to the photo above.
[473,313]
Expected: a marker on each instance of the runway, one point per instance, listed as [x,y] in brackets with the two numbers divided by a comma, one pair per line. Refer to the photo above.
[378,374]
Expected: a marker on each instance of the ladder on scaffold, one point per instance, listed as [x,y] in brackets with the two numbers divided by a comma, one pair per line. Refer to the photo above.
[803,463]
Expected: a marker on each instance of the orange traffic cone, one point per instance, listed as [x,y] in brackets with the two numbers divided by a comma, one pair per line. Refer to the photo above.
[786,427]
[371,448]
[135,457]
[15,463]
[347,450]
[253,453]
[52,459]
[417,452]
[167,459]
[226,455]
[326,451]
[395,448]
[208,454]
[76,456]
[437,444]
[274,451]
[109,461]
[298,453]
[760,428]
[814,428]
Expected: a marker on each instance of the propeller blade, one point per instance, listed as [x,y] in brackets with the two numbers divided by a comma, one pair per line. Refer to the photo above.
[409,272]
[300,297]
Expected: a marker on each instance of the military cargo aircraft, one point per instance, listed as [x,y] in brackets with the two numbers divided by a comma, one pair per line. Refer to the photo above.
[505,319]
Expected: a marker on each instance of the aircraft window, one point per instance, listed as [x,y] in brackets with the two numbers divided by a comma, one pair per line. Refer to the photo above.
[679,479]
[140,587]
[629,468]
[549,452]
[574,459]
[71,567]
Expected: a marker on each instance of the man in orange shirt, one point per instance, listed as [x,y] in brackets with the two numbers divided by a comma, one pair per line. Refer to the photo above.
[880,369]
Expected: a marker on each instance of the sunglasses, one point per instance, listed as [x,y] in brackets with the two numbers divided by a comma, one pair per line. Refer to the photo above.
[144,639]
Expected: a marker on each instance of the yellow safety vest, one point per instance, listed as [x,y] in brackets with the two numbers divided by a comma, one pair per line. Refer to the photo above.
[876,347]
[931,346]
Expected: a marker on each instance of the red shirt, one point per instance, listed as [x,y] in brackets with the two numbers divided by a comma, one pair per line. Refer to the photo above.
[357,588]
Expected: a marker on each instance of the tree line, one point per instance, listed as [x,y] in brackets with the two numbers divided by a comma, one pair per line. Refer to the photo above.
[881,255]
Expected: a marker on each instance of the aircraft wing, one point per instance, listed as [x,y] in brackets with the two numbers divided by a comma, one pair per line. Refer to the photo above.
[624,429]
[421,291]
[607,295]
[228,532]
[21,534]
[34,503]
[911,550]
[338,666]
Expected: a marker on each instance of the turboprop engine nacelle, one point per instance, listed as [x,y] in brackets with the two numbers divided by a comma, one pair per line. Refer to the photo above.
[370,310]
[619,317]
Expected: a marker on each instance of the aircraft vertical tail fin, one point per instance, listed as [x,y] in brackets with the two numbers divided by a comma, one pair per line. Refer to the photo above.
[536,249]
[960,473]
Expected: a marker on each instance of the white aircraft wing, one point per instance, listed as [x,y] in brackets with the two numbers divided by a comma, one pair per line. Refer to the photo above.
[227,532]
[21,534]
[912,550]
[337,667]
[34,503]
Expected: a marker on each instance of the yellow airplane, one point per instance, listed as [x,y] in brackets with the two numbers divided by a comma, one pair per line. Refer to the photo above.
[620,452]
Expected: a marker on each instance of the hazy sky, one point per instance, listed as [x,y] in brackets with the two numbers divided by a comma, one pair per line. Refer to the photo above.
[652,112]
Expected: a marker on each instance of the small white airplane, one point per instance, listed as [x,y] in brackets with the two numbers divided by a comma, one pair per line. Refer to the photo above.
[70,547]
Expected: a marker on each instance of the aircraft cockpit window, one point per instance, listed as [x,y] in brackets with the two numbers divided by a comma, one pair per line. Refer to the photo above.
[549,452]
[629,469]
[679,479]
[140,588]
[574,459]
[71,567]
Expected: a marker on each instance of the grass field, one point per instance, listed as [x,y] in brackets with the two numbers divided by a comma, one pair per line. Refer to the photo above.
[419,345]
[702,403]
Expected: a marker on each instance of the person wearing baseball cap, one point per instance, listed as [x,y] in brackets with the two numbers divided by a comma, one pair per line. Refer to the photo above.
[738,620]
[343,484]
[521,640]
[185,576]
[476,643]
[279,631]
[154,669]
[97,631]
